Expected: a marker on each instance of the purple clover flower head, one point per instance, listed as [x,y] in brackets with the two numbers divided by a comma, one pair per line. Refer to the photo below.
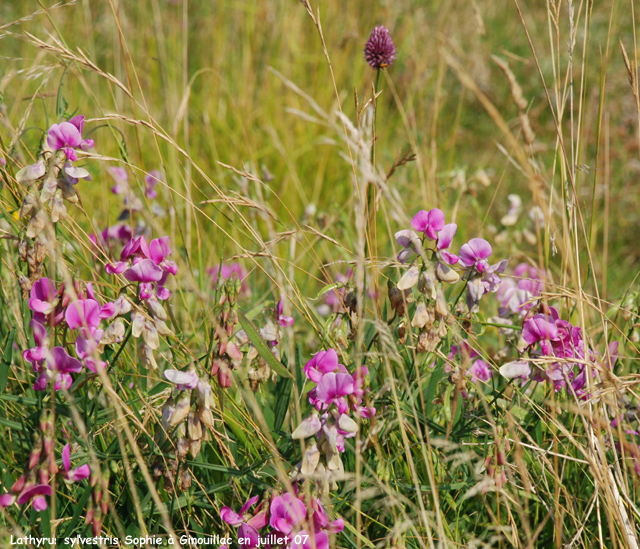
[73,475]
[67,136]
[429,222]
[379,50]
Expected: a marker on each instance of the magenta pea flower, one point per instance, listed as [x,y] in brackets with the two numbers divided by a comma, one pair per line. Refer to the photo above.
[249,525]
[144,271]
[479,371]
[83,314]
[429,222]
[35,493]
[333,387]
[159,250]
[73,475]
[445,236]
[539,328]
[67,136]
[475,254]
[287,512]
[44,297]
[59,367]
[322,363]
[39,352]
[411,244]
[284,321]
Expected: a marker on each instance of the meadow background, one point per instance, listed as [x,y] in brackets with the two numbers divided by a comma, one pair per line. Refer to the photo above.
[236,104]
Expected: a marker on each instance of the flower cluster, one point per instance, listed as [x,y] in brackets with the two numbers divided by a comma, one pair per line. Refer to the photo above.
[50,181]
[335,395]
[430,242]
[188,412]
[518,295]
[556,353]
[53,306]
[35,485]
[294,522]
[379,50]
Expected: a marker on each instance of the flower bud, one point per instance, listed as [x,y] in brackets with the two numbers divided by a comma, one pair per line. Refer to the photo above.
[182,410]
[309,427]
[194,427]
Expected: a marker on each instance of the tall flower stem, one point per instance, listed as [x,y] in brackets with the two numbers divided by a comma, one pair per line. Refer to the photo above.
[371,192]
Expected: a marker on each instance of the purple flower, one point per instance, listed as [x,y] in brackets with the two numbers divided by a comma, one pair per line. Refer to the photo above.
[539,328]
[121,178]
[35,493]
[184,380]
[479,371]
[475,253]
[445,236]
[144,271]
[429,222]
[333,387]
[249,526]
[59,366]
[73,475]
[68,136]
[83,314]
[44,297]
[284,321]
[322,363]
[287,512]
[410,243]
[151,180]
[379,50]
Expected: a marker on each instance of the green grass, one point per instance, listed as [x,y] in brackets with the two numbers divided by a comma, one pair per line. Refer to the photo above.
[238,104]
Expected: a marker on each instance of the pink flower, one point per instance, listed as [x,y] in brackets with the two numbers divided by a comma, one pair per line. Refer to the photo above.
[410,243]
[83,314]
[73,475]
[184,380]
[539,328]
[287,512]
[333,387]
[59,366]
[144,271]
[284,321]
[475,253]
[68,136]
[44,297]
[379,51]
[322,363]
[479,371]
[35,493]
[151,180]
[445,236]
[249,525]
[429,222]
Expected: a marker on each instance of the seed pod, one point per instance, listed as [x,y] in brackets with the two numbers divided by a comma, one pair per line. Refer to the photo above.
[182,410]
[194,427]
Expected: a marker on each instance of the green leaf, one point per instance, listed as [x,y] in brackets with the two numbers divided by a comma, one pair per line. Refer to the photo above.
[261,346]
[282,398]
[5,364]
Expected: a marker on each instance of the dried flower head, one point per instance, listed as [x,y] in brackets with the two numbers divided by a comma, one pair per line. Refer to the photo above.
[379,50]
